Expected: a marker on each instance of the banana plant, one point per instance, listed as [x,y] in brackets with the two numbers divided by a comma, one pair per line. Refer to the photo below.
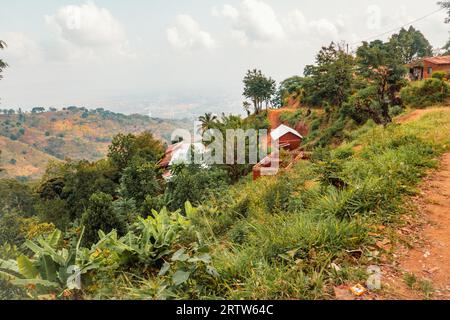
[50,270]
[151,240]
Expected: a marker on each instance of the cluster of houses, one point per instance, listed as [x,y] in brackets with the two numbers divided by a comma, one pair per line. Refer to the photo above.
[181,152]
[287,137]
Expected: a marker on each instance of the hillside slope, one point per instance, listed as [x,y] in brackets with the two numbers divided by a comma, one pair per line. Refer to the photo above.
[28,141]
[21,160]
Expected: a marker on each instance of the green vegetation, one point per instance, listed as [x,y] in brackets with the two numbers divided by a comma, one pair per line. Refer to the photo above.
[331,77]
[270,239]
[211,232]
[411,44]
[446,5]
[259,89]
[420,285]
[427,92]
[52,134]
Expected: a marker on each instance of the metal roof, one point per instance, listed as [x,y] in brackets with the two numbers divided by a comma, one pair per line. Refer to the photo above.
[283,130]
[438,60]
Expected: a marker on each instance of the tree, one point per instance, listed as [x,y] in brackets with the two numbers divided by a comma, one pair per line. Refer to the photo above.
[75,182]
[381,64]
[38,110]
[11,227]
[447,48]
[259,89]
[16,196]
[291,87]
[124,148]
[207,121]
[411,44]
[446,5]
[100,215]
[194,184]
[331,77]
[140,180]
[236,170]
[3,64]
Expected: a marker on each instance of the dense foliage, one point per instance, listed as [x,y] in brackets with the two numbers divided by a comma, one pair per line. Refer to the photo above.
[425,93]
[259,89]
[117,228]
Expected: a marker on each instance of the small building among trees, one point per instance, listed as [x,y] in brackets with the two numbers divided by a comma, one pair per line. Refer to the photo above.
[424,68]
[287,137]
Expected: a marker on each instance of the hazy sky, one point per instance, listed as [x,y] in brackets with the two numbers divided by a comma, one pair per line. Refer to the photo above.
[167,56]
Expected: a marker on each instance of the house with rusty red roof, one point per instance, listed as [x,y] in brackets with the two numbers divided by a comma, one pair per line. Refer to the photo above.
[425,67]
[179,153]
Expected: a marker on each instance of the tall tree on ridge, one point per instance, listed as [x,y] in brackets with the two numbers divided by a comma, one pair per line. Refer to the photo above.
[332,76]
[381,64]
[259,89]
[446,5]
[411,44]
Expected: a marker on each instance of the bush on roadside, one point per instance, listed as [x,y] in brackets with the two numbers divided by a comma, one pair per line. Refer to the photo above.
[425,93]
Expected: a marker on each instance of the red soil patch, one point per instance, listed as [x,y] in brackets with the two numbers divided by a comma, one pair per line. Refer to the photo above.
[429,257]
[416,115]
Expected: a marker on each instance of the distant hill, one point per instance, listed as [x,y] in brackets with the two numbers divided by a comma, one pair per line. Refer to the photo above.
[29,140]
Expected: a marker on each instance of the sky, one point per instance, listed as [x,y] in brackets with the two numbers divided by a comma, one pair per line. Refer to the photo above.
[177,58]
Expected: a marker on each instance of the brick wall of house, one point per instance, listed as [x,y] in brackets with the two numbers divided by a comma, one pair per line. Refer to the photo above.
[291,139]
[434,67]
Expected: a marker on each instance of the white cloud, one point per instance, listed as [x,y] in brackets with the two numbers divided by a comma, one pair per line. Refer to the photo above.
[21,48]
[87,30]
[296,23]
[254,20]
[227,11]
[299,27]
[373,15]
[187,34]
[324,28]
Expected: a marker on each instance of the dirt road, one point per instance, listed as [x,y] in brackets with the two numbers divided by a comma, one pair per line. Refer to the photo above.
[423,271]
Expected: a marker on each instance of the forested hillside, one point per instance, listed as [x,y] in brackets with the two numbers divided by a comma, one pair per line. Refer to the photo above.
[117,227]
[29,140]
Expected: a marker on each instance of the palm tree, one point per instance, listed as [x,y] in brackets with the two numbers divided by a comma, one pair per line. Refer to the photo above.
[208,121]
[2,64]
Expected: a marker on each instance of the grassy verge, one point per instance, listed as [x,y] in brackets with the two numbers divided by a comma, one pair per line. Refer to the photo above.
[294,238]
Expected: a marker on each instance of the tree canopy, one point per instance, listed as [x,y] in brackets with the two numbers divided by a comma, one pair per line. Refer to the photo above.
[446,5]
[124,148]
[331,76]
[381,65]
[3,64]
[207,121]
[259,89]
[411,44]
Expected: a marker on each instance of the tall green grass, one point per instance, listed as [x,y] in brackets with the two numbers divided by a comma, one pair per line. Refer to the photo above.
[278,237]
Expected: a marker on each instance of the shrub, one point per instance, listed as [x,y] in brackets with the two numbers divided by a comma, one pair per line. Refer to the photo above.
[440,75]
[139,180]
[292,118]
[100,215]
[424,93]
[395,111]
[194,184]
